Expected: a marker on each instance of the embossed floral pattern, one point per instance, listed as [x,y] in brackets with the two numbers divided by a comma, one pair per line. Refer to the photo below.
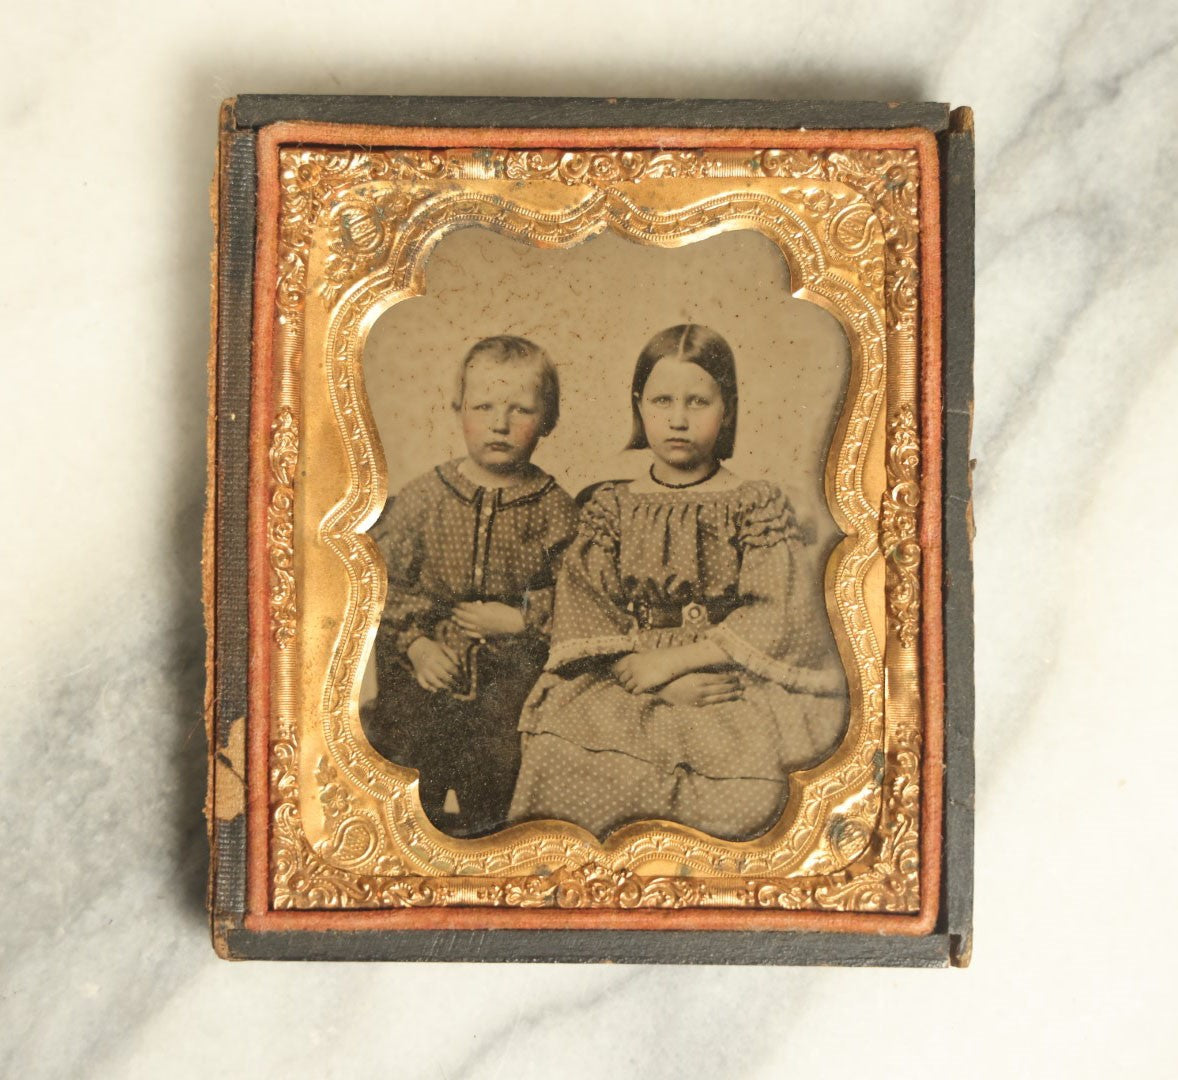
[848,224]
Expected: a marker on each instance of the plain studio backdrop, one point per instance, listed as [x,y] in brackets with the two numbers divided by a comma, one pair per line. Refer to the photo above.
[109,122]
[593,308]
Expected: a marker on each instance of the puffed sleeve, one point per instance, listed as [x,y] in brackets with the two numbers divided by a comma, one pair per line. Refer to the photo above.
[780,630]
[408,613]
[589,616]
[560,528]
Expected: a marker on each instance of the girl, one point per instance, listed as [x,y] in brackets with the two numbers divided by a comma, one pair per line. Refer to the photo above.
[691,669]
[471,549]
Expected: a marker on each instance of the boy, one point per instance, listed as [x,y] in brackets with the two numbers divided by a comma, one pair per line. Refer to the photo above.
[472,548]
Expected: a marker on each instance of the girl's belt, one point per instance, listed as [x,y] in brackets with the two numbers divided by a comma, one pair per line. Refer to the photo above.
[694,615]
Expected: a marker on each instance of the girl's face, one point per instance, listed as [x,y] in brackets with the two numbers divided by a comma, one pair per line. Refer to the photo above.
[682,412]
[501,414]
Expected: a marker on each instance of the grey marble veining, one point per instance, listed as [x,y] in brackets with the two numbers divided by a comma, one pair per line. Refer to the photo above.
[105,970]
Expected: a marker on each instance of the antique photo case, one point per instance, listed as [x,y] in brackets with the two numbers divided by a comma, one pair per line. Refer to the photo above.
[587,555]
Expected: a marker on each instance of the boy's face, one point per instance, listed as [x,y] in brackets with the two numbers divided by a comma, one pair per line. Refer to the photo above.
[501,414]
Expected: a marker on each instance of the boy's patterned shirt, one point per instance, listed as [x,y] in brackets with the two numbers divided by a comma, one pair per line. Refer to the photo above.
[446,540]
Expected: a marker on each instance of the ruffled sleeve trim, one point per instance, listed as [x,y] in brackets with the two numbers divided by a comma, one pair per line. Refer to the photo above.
[820,682]
[567,652]
[766,517]
[600,519]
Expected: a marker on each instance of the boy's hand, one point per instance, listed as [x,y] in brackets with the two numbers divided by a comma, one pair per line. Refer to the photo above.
[436,666]
[483,619]
[702,688]
[643,671]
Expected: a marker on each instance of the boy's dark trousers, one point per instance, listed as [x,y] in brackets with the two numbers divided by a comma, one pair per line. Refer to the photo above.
[472,747]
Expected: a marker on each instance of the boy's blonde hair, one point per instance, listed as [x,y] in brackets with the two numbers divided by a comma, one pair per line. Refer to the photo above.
[507,349]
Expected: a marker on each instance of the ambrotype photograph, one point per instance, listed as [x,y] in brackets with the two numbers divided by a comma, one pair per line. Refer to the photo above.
[606,534]
[596,499]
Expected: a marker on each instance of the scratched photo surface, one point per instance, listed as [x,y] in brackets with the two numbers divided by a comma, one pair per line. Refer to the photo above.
[570,632]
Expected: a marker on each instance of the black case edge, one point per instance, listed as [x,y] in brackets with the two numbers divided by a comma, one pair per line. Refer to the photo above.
[951,940]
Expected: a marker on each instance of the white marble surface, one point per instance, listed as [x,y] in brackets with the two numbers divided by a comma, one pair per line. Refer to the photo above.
[109,114]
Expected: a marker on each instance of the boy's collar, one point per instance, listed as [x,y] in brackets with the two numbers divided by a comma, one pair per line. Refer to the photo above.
[467,490]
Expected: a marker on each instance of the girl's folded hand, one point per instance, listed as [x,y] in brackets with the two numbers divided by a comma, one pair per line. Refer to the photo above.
[702,688]
[641,672]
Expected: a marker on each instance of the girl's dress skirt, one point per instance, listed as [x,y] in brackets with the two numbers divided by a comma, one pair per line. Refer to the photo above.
[600,757]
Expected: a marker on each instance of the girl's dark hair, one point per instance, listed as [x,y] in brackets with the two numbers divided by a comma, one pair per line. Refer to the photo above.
[505,349]
[696,345]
